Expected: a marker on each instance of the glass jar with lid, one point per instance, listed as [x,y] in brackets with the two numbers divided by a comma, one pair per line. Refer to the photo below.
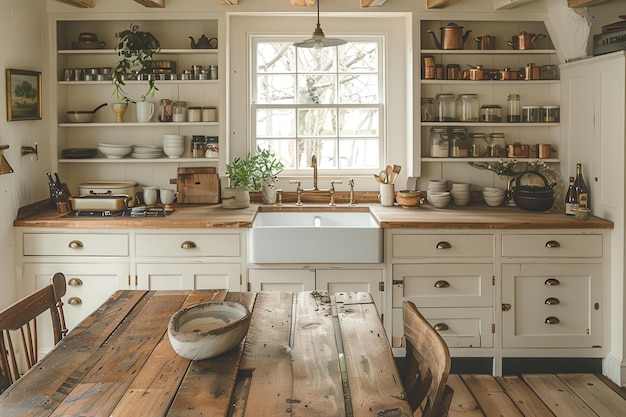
[550,114]
[467,108]
[491,113]
[439,143]
[445,107]
[477,145]
[179,111]
[513,114]
[497,145]
[531,114]
[459,142]
[427,109]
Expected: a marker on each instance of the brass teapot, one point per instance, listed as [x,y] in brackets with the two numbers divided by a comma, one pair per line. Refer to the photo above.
[203,43]
[452,37]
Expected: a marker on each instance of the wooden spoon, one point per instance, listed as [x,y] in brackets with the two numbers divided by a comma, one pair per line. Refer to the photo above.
[396,170]
[380,180]
[389,172]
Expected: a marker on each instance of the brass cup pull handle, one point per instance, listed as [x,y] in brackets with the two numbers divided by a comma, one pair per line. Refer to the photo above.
[551,282]
[440,327]
[552,320]
[74,301]
[188,244]
[552,244]
[442,284]
[443,245]
[75,282]
[75,244]
[552,301]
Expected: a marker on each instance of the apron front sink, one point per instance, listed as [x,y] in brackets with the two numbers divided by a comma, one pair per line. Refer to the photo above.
[315,237]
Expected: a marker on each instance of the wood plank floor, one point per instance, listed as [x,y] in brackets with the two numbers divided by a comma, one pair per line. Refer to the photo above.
[536,395]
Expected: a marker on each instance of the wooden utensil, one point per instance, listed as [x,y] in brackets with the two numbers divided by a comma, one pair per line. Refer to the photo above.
[396,170]
[388,171]
[383,176]
[380,180]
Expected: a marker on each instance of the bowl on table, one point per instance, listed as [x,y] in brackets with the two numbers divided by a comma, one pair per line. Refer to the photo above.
[439,199]
[410,198]
[208,329]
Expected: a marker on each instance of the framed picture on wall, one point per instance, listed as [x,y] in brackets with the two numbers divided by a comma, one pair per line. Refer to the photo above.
[23,95]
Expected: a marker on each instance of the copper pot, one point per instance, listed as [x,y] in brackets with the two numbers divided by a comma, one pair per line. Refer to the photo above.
[525,40]
[517,150]
[476,73]
[486,42]
[509,74]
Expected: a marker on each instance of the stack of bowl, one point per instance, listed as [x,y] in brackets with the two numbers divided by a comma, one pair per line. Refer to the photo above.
[173,145]
[461,193]
[439,199]
[493,196]
[114,151]
[437,185]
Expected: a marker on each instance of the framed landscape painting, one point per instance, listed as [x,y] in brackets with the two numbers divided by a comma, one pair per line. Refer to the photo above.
[23,95]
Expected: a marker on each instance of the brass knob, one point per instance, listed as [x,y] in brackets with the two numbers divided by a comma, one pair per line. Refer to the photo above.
[441,327]
[75,282]
[552,320]
[442,284]
[74,244]
[443,245]
[552,244]
[550,282]
[188,244]
[552,301]
[74,301]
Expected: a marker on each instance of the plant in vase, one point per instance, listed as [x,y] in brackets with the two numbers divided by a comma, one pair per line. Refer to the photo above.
[242,177]
[268,167]
[135,49]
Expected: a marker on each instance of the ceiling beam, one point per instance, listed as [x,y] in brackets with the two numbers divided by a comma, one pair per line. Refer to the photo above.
[228,2]
[439,4]
[583,3]
[152,3]
[372,3]
[87,4]
[302,2]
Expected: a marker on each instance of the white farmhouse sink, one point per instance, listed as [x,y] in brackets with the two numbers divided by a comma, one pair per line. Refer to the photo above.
[315,237]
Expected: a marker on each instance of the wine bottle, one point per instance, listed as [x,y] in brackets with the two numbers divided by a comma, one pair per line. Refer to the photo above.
[582,191]
[571,203]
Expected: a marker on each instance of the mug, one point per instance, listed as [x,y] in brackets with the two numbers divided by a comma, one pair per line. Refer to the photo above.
[145,110]
[387,196]
[149,195]
[167,196]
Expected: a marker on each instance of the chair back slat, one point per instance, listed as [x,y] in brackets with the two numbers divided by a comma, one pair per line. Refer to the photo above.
[428,365]
[18,322]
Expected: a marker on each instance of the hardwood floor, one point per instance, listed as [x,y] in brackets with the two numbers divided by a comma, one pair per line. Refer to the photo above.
[536,395]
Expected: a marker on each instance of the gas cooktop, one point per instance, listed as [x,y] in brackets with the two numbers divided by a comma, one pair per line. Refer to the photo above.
[141,211]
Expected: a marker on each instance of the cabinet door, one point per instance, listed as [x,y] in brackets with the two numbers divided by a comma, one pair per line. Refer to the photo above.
[340,280]
[552,305]
[88,286]
[294,280]
[191,276]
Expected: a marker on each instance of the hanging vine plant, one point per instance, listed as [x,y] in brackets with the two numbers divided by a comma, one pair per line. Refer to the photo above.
[135,49]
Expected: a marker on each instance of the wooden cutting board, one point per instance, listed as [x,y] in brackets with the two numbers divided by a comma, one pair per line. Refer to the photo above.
[200,185]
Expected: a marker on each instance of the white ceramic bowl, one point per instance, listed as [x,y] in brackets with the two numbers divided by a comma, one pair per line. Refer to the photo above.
[493,190]
[439,199]
[208,329]
[173,151]
[493,201]
[114,151]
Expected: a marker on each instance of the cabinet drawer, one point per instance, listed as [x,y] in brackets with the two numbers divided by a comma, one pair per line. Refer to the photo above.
[443,285]
[441,246]
[182,245]
[552,245]
[75,244]
[459,327]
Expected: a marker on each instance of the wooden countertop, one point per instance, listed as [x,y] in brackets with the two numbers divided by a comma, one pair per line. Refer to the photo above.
[476,216]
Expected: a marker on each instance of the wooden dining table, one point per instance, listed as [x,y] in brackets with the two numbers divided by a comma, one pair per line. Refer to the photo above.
[305,354]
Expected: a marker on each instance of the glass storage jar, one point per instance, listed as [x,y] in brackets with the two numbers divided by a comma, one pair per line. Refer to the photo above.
[477,145]
[179,111]
[427,109]
[459,142]
[439,143]
[531,114]
[445,105]
[497,145]
[550,114]
[491,113]
[513,114]
[467,108]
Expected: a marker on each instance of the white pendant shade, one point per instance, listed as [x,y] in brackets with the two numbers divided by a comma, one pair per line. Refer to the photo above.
[318,39]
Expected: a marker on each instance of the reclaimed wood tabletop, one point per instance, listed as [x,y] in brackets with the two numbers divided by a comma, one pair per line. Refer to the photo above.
[306,353]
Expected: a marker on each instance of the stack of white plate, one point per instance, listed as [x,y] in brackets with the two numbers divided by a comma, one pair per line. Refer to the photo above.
[461,193]
[146,152]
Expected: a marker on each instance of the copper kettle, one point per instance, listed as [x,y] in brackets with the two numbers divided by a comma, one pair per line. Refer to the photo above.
[452,37]
[525,40]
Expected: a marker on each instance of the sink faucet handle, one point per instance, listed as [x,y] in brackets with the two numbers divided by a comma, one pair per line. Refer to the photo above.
[351,183]
[332,191]
[298,191]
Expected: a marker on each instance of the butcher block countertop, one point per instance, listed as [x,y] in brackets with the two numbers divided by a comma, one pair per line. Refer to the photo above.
[478,216]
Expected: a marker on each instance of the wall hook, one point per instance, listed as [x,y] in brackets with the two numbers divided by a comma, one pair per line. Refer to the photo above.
[29,150]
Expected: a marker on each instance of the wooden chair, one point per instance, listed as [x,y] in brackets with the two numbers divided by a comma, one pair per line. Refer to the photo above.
[18,321]
[428,365]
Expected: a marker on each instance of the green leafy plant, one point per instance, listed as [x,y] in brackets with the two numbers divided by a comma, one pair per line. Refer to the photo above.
[136,49]
[248,173]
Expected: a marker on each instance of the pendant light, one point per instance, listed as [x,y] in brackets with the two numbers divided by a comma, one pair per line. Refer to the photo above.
[319,40]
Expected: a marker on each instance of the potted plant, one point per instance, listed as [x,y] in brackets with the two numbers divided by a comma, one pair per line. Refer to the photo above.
[256,172]
[268,167]
[135,49]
